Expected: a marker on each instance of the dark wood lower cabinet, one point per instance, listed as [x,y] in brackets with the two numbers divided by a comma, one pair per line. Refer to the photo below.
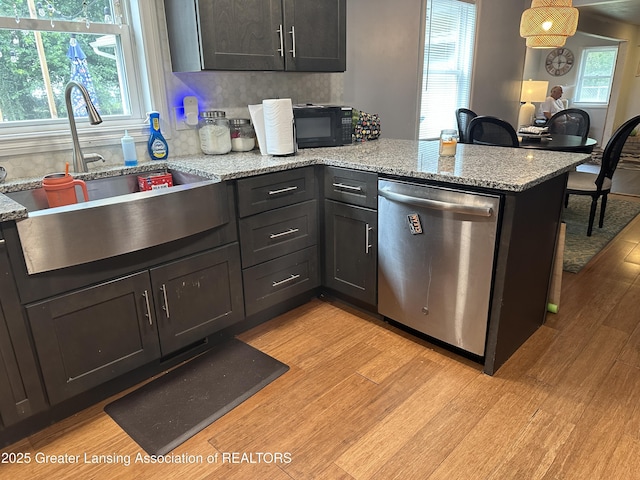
[21,393]
[351,250]
[197,296]
[90,336]
[93,335]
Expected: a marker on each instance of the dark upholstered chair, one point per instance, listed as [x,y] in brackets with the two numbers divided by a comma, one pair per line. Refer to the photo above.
[485,130]
[464,117]
[599,185]
[571,121]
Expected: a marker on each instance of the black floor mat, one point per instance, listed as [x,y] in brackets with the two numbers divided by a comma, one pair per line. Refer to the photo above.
[164,413]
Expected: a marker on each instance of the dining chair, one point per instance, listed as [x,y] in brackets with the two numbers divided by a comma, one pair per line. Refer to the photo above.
[486,130]
[598,184]
[571,121]
[463,118]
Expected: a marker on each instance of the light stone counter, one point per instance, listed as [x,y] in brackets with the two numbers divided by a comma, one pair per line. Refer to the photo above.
[497,168]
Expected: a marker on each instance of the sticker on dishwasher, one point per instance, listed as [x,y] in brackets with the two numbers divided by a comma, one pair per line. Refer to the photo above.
[415,227]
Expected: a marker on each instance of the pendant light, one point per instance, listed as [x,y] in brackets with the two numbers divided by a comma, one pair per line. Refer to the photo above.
[548,23]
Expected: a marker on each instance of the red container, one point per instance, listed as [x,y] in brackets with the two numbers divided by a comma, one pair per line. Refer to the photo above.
[155,181]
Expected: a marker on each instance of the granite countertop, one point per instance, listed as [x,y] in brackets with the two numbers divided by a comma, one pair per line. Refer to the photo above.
[496,168]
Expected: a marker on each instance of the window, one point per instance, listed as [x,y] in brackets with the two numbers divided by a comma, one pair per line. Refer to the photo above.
[448,55]
[46,43]
[596,75]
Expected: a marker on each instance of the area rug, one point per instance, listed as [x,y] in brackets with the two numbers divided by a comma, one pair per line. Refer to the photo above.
[167,411]
[579,248]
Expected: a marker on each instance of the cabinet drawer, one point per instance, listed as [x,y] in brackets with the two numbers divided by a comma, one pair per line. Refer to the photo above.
[351,186]
[275,233]
[274,190]
[272,282]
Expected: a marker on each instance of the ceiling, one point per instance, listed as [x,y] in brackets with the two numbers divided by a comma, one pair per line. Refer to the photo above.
[623,10]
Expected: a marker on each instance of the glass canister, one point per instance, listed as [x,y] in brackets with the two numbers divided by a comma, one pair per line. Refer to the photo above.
[243,137]
[215,136]
[448,143]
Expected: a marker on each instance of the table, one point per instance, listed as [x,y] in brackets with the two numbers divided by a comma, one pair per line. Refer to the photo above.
[559,142]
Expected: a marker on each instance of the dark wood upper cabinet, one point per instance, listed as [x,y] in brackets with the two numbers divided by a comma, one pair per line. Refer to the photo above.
[288,35]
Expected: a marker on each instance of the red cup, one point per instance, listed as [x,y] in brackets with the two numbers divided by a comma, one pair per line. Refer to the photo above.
[61,189]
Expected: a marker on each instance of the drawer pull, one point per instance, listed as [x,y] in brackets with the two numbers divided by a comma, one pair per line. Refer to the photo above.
[282,234]
[286,280]
[347,187]
[148,312]
[281,49]
[293,41]
[282,190]
[165,307]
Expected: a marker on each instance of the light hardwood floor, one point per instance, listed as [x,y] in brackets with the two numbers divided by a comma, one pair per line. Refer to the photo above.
[365,401]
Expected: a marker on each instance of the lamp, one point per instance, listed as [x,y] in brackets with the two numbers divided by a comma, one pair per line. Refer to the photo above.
[548,23]
[532,91]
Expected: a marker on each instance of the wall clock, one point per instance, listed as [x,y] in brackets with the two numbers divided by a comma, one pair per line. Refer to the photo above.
[559,61]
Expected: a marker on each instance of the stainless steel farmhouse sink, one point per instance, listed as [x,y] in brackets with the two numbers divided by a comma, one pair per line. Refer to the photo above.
[117,219]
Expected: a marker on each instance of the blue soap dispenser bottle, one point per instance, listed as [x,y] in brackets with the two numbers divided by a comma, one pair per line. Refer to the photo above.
[129,150]
[157,146]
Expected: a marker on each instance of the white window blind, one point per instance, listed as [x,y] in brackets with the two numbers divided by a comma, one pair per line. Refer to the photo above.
[448,56]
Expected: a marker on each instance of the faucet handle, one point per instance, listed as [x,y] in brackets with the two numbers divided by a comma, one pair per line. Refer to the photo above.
[93,157]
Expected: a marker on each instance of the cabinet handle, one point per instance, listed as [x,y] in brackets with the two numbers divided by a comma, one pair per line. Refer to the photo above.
[165,307]
[367,238]
[2,240]
[286,280]
[148,313]
[282,234]
[282,190]
[347,187]
[293,41]
[281,49]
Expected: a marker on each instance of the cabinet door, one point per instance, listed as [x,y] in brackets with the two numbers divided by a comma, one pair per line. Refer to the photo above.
[351,250]
[315,35]
[234,34]
[197,296]
[90,336]
[21,393]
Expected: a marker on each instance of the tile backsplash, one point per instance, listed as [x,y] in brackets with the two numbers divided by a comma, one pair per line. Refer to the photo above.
[233,91]
[228,91]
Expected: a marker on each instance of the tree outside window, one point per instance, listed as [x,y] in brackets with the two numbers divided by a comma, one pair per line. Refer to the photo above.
[597,66]
[46,43]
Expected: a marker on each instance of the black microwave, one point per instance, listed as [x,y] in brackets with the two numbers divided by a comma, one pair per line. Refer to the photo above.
[322,125]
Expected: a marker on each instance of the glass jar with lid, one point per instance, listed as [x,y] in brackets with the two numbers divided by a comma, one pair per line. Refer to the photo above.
[215,136]
[243,137]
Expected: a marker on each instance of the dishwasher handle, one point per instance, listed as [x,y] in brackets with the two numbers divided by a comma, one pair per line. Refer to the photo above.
[478,211]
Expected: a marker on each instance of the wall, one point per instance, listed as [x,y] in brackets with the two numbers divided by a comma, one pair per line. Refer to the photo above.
[498,59]
[383,62]
[624,102]
[535,69]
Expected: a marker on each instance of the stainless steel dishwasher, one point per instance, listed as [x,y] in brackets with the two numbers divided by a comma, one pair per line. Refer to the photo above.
[435,260]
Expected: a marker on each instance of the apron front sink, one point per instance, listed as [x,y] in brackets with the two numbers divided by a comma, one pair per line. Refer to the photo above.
[117,219]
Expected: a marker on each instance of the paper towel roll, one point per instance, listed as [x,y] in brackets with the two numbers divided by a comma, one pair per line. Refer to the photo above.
[278,125]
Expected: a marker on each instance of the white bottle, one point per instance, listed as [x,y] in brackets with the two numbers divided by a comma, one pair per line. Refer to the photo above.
[129,150]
